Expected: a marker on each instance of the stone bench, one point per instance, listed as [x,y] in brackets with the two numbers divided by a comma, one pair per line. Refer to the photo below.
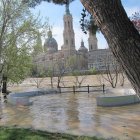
[19,100]
[118,99]
[22,98]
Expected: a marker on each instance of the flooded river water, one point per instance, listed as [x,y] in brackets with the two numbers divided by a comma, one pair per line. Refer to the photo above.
[74,114]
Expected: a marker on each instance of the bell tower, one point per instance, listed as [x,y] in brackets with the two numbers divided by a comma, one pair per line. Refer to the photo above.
[68,33]
[92,41]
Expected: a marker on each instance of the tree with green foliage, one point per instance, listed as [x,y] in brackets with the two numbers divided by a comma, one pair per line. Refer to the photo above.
[18,34]
[76,62]
[72,63]
[93,71]
[120,33]
[17,63]
[37,48]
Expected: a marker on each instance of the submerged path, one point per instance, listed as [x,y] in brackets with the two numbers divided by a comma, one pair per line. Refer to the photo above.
[75,114]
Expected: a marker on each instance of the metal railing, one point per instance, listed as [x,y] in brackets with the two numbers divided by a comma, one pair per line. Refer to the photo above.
[87,88]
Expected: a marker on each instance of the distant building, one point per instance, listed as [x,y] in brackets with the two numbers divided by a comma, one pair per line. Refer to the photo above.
[85,59]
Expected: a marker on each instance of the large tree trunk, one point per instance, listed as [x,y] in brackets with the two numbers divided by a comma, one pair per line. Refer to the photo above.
[121,35]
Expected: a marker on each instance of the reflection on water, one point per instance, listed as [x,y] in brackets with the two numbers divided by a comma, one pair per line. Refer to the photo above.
[75,114]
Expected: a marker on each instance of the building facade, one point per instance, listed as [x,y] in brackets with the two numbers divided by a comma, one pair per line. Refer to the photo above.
[81,59]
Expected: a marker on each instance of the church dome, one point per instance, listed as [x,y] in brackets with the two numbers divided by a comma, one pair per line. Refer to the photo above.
[82,48]
[50,44]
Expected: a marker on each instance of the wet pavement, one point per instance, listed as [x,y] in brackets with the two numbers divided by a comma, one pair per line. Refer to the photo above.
[74,114]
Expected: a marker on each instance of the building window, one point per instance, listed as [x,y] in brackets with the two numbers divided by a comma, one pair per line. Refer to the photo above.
[72,41]
[68,24]
[91,65]
[91,47]
[66,41]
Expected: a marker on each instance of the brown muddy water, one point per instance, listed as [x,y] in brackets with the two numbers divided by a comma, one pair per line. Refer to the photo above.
[74,114]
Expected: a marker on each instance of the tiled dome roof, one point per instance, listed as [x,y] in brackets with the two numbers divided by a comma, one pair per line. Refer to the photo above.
[50,44]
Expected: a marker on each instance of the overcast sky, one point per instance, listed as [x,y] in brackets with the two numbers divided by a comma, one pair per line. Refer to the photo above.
[55,14]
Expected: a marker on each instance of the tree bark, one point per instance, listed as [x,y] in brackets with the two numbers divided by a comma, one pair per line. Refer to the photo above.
[4,85]
[121,35]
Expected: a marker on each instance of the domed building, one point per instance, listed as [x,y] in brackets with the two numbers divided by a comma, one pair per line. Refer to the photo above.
[82,48]
[50,45]
[85,59]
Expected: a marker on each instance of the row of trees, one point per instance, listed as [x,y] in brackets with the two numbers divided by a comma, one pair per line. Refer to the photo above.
[58,68]
[112,72]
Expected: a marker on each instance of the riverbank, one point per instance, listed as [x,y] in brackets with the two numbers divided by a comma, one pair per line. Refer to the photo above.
[92,80]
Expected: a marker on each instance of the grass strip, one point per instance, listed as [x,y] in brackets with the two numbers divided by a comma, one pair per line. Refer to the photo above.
[12,133]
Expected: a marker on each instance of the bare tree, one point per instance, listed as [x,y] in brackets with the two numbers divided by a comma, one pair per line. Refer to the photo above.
[122,77]
[38,74]
[61,69]
[38,81]
[50,74]
[111,69]
[79,78]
